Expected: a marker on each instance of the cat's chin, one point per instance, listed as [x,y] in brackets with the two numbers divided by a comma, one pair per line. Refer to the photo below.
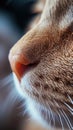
[36,108]
[45,117]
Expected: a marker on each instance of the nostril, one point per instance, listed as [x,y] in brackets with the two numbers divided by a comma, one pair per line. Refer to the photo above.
[20,69]
[19,64]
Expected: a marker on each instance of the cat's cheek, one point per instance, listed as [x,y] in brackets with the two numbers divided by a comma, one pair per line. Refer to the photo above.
[25,82]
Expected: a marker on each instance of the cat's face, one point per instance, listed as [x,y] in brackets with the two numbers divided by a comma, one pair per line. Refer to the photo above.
[43,61]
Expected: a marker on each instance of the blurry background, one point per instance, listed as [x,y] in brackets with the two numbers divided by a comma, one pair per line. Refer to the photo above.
[15,16]
[15,20]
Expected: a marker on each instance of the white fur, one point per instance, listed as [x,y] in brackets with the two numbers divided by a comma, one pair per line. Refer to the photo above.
[67,19]
[46,17]
[17,84]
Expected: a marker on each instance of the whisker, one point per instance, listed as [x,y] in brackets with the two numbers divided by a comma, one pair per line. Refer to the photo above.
[61,120]
[23,112]
[56,103]
[70,99]
[36,90]
[52,115]
[69,108]
[66,119]
[48,114]
[22,105]
[9,96]
[60,117]
[7,80]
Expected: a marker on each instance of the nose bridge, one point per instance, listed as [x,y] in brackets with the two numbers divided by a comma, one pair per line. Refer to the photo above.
[24,43]
[34,43]
[30,45]
[26,51]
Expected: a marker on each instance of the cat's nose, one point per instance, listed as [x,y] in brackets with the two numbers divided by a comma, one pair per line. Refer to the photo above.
[19,64]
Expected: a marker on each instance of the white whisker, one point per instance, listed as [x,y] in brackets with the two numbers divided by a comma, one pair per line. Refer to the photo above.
[36,90]
[69,108]
[66,119]
[48,115]
[7,80]
[61,120]
[52,116]
[70,99]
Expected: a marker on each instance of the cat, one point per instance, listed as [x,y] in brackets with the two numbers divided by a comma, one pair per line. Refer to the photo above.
[42,61]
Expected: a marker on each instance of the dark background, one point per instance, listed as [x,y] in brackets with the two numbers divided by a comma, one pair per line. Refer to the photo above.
[15,16]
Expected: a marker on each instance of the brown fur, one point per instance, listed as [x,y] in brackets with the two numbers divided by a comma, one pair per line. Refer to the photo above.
[51,49]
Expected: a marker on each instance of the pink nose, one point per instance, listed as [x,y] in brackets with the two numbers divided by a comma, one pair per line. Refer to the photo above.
[19,64]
